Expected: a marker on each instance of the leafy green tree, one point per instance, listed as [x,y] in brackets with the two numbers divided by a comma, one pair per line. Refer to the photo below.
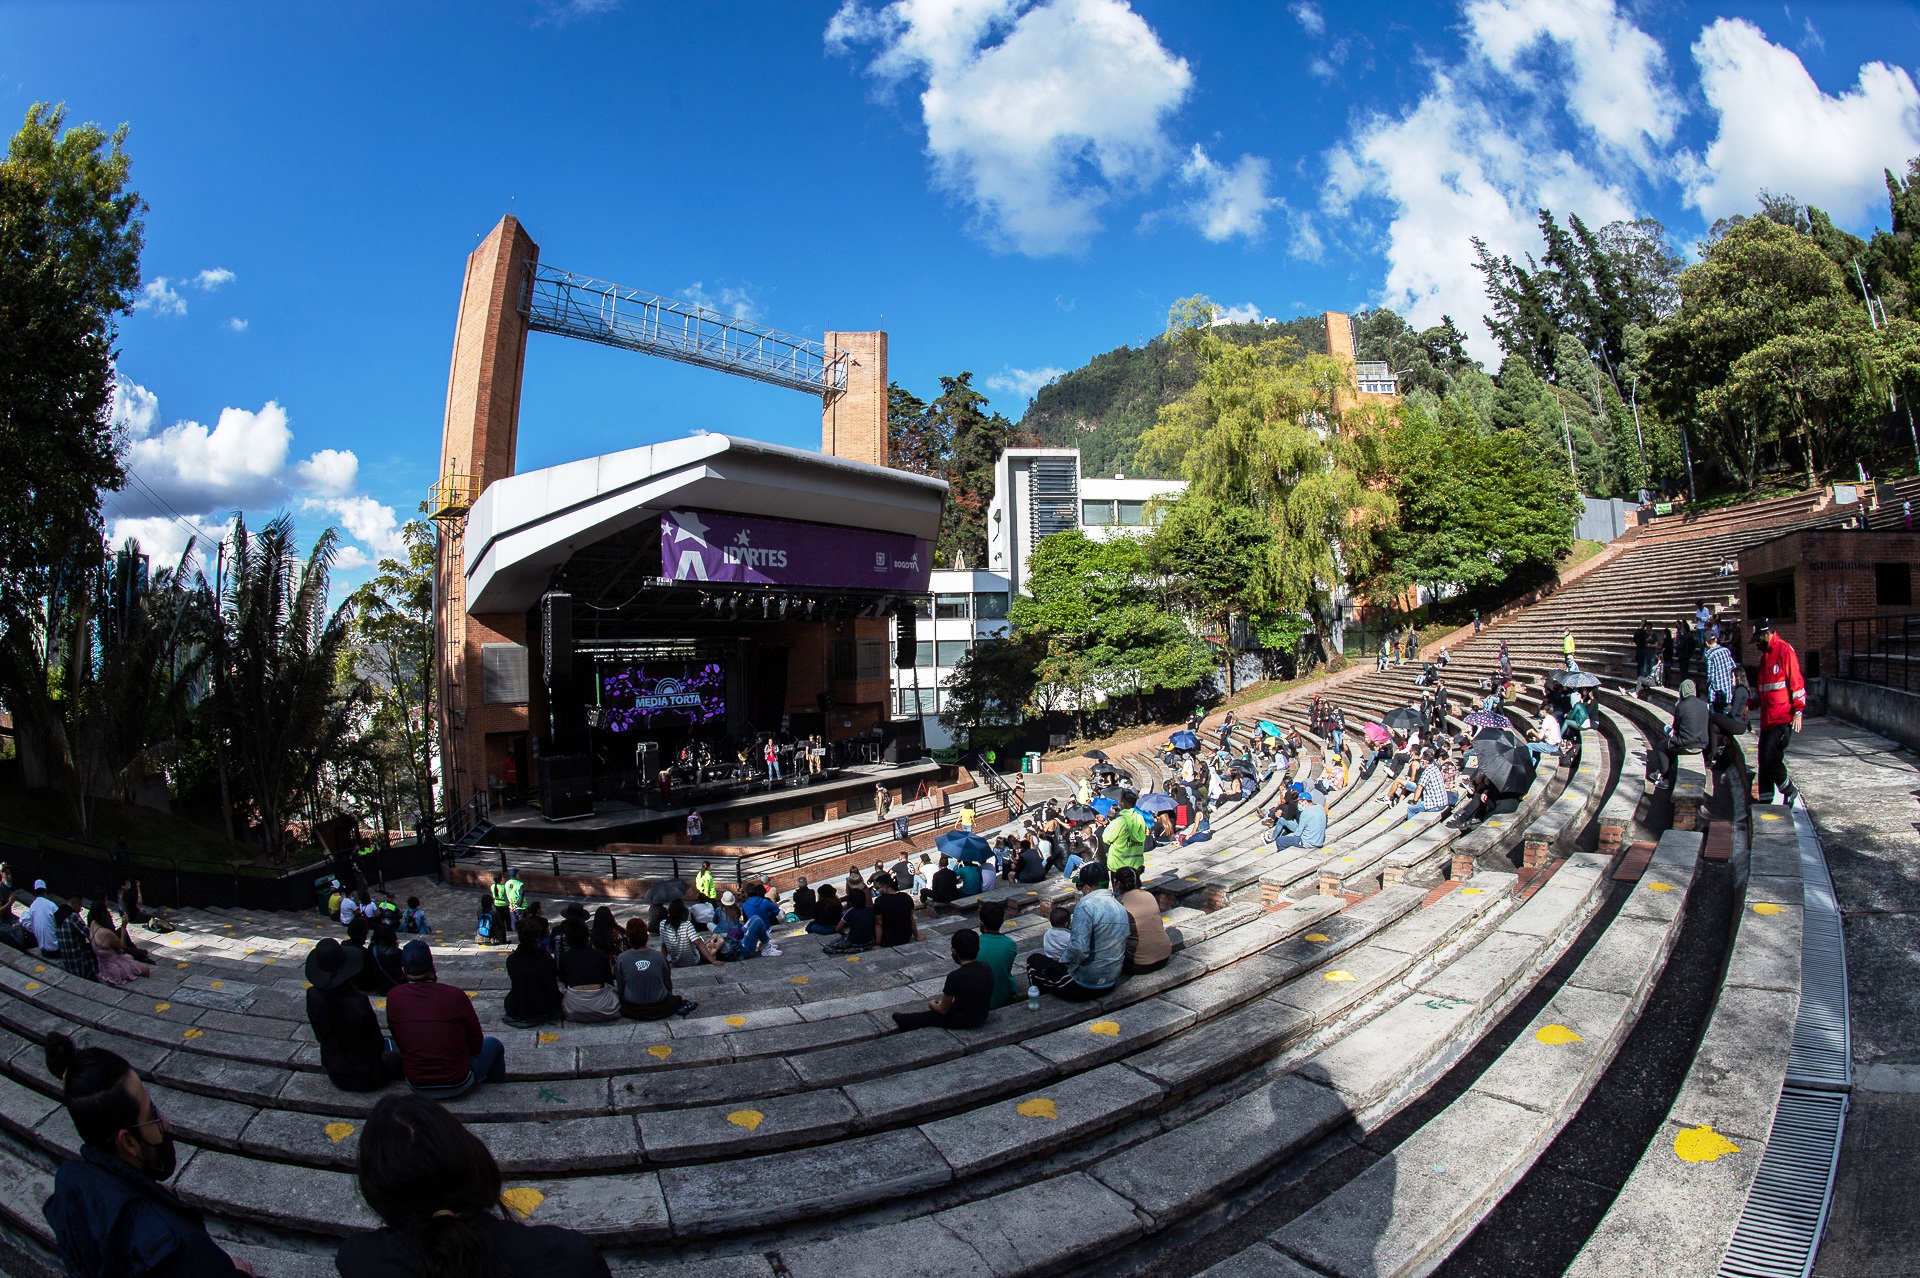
[390,653]
[1475,511]
[972,440]
[1208,557]
[1430,360]
[275,649]
[70,237]
[916,440]
[986,698]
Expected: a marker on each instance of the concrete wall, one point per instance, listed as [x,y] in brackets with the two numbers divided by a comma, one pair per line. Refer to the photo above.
[1887,711]
[1603,519]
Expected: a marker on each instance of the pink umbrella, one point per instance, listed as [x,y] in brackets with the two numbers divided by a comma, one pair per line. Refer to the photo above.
[1377,734]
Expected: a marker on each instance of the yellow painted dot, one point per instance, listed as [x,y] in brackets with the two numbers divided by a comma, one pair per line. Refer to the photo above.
[41,967]
[660,1050]
[252,951]
[379,1005]
[546,1039]
[161,1007]
[269,962]
[798,980]
[522,1200]
[32,985]
[1038,1107]
[1769,816]
[853,958]
[179,964]
[1346,860]
[1767,907]
[1470,891]
[192,1033]
[1338,975]
[337,1132]
[1557,1035]
[1106,1029]
[1190,879]
[1318,938]
[799,931]
[214,985]
[305,985]
[747,1118]
[735,1021]
[1659,887]
[1702,1144]
[471,993]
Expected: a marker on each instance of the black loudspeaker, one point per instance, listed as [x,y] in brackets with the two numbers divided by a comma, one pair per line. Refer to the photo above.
[900,741]
[556,637]
[903,657]
[566,786]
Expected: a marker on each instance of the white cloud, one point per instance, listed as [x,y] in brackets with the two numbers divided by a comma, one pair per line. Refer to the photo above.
[560,12]
[160,297]
[350,558]
[1036,115]
[213,278]
[1233,201]
[727,299]
[1780,132]
[365,519]
[162,538]
[1614,74]
[237,464]
[1309,17]
[1327,65]
[1023,383]
[237,324]
[1245,313]
[330,472]
[134,409]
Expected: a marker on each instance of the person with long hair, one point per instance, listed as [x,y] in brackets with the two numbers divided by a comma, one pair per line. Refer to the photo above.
[682,943]
[436,1189]
[533,994]
[111,1210]
[586,976]
[116,965]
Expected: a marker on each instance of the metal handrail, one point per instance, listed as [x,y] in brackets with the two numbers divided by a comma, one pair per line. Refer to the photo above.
[1880,650]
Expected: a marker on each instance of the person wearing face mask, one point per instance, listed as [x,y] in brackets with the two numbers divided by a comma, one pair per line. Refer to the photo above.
[111,1210]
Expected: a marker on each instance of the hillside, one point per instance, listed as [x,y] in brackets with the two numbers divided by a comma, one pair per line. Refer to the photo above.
[1102,407]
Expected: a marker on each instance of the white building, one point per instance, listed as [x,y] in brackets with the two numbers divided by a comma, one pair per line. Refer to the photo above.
[1037,491]
[964,608]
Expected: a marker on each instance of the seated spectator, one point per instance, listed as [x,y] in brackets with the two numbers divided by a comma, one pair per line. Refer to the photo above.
[111,1211]
[967,996]
[971,878]
[1057,942]
[76,947]
[484,929]
[604,933]
[946,885]
[115,965]
[42,910]
[826,913]
[1306,829]
[760,914]
[989,874]
[585,973]
[353,1052]
[894,923]
[1097,950]
[923,874]
[414,920]
[1692,720]
[902,874]
[804,900]
[1030,866]
[442,1052]
[856,925]
[1432,794]
[1546,738]
[682,943]
[533,989]
[1148,947]
[436,1189]
[644,979]
[368,978]
[383,954]
[997,951]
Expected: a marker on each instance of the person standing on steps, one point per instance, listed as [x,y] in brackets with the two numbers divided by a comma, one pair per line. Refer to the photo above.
[1783,705]
[1643,651]
[1567,649]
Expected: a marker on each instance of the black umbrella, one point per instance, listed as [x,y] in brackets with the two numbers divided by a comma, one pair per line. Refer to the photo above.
[666,892]
[1080,812]
[1504,760]
[1402,718]
[1108,792]
[1094,754]
[1241,768]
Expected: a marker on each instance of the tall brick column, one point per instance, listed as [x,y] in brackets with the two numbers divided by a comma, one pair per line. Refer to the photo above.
[478,441]
[853,424]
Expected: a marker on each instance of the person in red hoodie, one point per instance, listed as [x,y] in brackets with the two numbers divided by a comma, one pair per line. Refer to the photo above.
[442,1052]
[1783,703]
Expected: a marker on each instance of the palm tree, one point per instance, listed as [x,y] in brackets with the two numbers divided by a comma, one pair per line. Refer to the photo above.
[276,692]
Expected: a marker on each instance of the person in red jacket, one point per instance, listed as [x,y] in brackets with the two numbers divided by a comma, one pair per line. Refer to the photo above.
[1783,703]
[442,1052]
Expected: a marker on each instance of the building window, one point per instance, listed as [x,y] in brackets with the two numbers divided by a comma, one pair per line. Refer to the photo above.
[923,606]
[1096,514]
[951,651]
[1133,514]
[915,701]
[1771,599]
[923,653]
[1892,586]
[859,659]
[950,607]
[990,607]
[503,674]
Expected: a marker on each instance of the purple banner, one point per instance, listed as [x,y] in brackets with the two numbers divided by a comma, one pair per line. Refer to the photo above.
[706,546]
[635,696]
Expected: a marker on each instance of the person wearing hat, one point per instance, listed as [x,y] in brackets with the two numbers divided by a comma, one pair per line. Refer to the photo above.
[353,1052]
[442,1052]
[1688,735]
[40,918]
[1783,703]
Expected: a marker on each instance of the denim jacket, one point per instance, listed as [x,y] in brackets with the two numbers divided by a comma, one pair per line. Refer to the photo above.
[1100,925]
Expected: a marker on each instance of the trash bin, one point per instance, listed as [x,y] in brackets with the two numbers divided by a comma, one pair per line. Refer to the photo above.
[1030,761]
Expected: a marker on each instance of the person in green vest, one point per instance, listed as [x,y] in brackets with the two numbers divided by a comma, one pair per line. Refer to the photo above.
[502,910]
[997,951]
[516,896]
[703,881]
[1126,835]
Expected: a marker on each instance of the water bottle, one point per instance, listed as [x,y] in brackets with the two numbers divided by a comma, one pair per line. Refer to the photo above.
[1033,998]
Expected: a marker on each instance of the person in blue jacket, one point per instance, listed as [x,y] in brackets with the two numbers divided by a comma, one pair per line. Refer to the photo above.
[111,1210]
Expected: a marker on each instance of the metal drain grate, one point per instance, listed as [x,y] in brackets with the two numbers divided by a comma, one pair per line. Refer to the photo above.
[1786,1209]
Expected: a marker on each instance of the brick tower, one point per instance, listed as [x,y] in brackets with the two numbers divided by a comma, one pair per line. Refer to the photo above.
[853,424]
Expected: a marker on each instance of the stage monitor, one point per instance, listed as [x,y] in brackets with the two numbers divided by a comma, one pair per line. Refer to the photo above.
[644,698]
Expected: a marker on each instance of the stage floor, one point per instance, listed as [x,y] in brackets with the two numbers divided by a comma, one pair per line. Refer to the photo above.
[622,821]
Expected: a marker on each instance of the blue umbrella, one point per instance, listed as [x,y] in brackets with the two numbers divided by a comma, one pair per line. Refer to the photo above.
[1103,805]
[962,846]
[1156,803]
[1271,729]
[1184,740]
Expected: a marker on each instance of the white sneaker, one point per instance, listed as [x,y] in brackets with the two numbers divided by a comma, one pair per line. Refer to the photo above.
[770,951]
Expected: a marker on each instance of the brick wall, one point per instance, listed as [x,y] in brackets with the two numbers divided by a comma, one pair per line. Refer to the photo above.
[853,424]
[1834,579]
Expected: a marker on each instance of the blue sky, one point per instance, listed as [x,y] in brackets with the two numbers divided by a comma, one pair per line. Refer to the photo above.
[1006,186]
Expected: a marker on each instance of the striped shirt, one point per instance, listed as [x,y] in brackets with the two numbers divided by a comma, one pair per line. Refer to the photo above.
[1720,670]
